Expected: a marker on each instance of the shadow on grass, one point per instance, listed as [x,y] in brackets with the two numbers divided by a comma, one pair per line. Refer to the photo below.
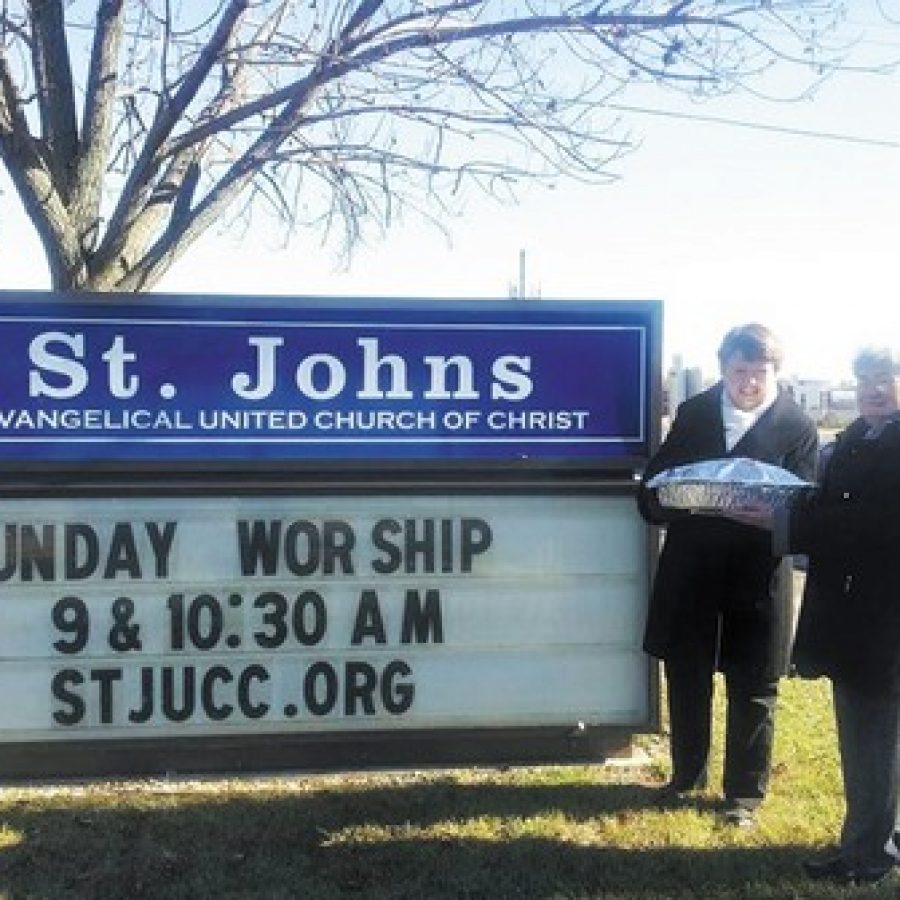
[385,842]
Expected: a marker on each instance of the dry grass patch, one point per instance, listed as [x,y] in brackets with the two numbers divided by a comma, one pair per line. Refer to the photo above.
[541,832]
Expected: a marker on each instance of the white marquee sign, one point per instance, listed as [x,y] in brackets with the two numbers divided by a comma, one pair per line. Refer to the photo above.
[159,617]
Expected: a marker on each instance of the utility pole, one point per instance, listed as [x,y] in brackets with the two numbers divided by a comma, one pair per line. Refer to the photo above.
[520,290]
[522,294]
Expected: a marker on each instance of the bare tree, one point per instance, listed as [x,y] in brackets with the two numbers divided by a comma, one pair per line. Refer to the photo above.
[129,127]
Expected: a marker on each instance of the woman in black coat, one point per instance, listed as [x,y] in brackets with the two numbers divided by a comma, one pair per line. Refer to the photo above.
[849,626]
[721,599]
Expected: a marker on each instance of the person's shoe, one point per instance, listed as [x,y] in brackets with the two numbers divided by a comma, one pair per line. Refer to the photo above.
[836,869]
[872,873]
[673,793]
[738,816]
[669,795]
[825,867]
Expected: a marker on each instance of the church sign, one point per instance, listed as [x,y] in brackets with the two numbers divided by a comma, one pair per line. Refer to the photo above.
[260,534]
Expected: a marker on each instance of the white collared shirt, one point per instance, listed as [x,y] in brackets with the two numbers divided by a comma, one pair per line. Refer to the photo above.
[737,422]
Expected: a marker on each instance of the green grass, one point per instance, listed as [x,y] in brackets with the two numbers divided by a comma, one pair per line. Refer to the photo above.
[541,832]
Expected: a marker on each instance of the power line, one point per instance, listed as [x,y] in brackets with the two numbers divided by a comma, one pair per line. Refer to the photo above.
[884,143]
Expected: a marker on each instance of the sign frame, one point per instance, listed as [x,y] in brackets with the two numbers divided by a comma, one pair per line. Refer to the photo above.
[337,750]
[342,750]
[552,323]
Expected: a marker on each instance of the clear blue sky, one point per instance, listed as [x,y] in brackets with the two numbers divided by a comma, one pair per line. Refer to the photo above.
[723,223]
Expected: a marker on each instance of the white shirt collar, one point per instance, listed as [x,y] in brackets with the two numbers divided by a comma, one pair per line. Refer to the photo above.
[737,422]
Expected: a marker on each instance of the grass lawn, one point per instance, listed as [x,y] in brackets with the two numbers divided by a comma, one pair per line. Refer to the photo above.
[541,832]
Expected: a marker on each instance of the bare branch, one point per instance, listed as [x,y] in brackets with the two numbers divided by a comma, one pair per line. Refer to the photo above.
[168,116]
[331,70]
[55,90]
[34,183]
[341,114]
[99,109]
[362,14]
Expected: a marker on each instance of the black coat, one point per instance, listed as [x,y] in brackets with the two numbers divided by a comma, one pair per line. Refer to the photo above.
[850,527]
[710,565]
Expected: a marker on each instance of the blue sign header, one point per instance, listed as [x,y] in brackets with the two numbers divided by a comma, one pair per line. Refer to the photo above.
[168,379]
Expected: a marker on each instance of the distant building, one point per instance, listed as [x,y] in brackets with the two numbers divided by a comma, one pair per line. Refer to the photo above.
[829,405]
[681,384]
[693,381]
[811,394]
[841,408]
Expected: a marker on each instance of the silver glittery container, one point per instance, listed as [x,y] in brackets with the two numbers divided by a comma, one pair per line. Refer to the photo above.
[720,485]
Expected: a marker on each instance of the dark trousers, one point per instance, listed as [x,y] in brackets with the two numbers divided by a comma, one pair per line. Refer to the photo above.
[868,729]
[749,728]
